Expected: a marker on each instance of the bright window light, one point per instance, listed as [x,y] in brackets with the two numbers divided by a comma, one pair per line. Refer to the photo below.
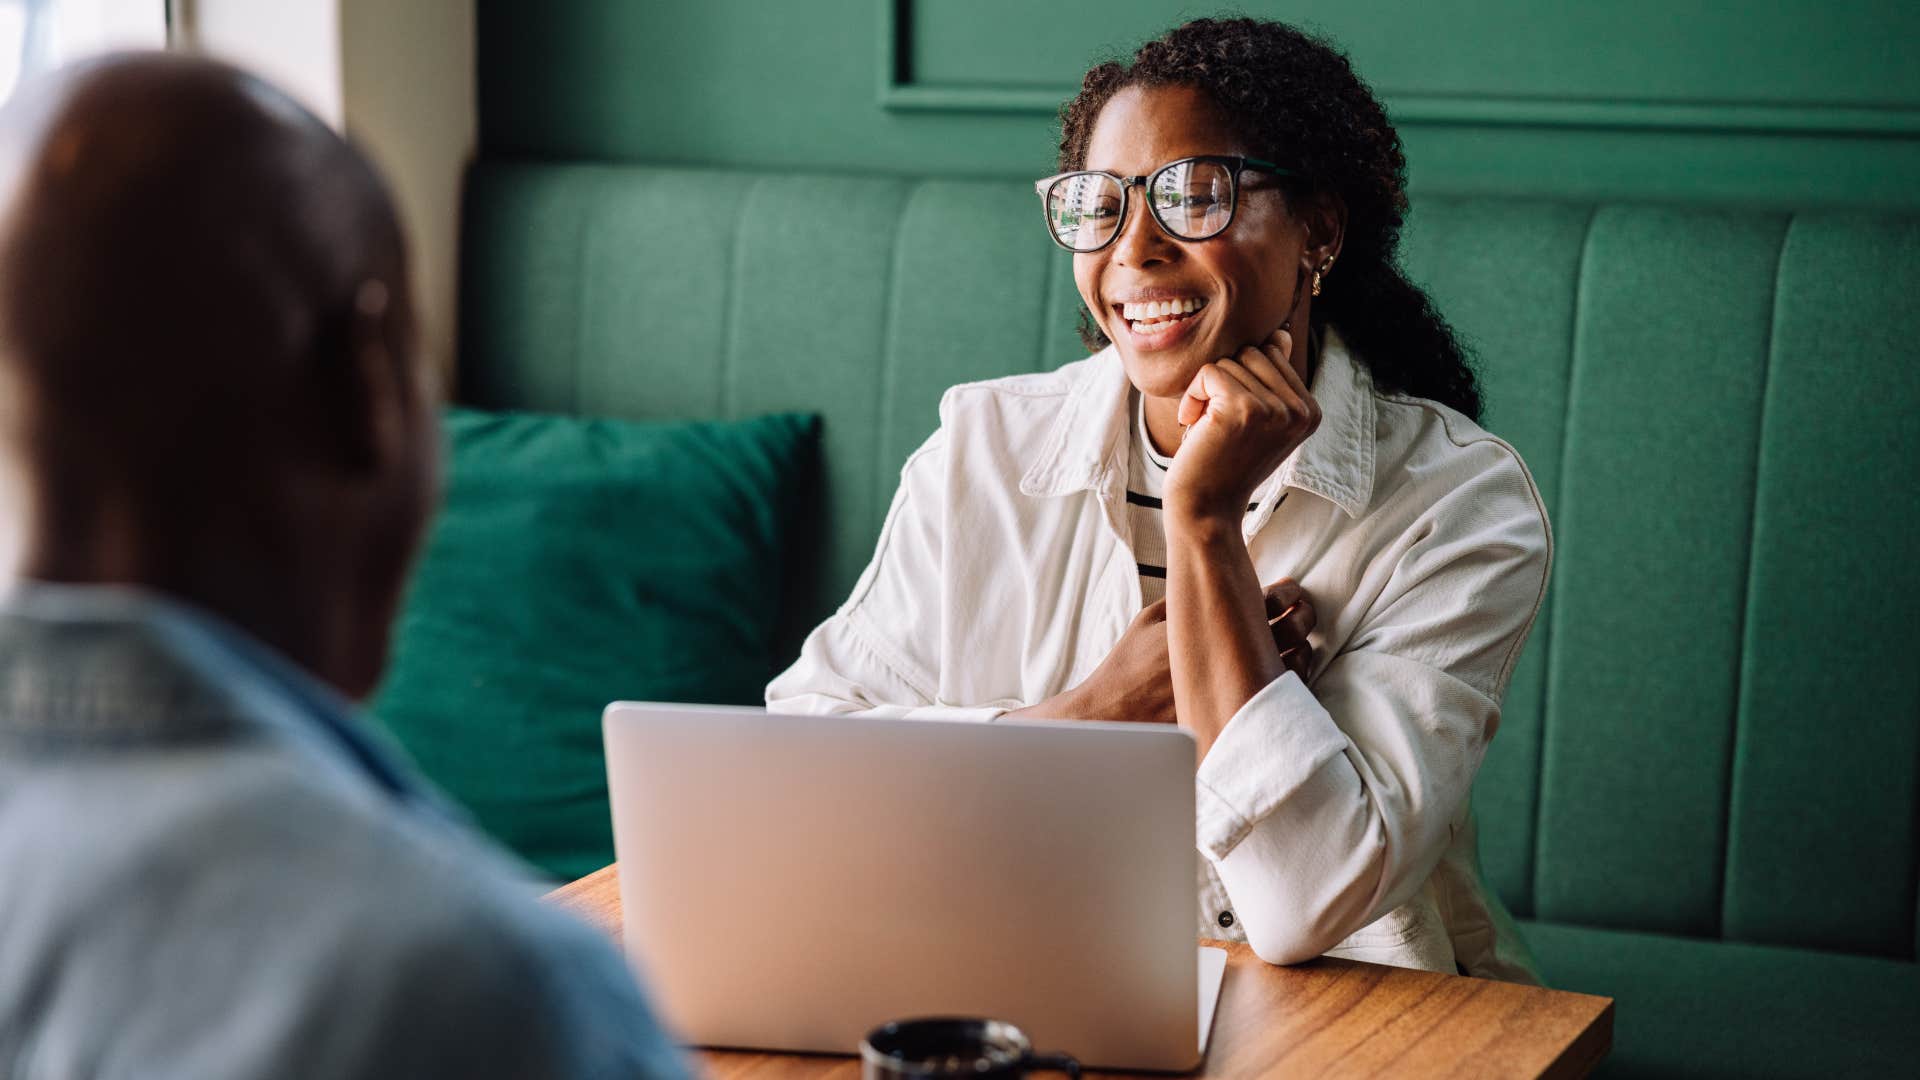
[40,35]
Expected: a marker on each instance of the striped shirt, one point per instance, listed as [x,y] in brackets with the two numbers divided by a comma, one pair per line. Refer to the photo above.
[1146,530]
[1147,533]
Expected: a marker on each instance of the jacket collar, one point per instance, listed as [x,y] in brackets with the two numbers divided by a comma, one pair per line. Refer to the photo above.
[1086,449]
[113,664]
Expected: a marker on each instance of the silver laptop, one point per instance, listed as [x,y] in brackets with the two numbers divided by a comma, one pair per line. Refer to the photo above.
[792,882]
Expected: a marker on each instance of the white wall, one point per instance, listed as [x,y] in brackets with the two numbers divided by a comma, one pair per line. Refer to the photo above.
[397,77]
[408,98]
[294,43]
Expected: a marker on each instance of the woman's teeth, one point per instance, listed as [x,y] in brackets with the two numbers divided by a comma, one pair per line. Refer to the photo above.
[1157,315]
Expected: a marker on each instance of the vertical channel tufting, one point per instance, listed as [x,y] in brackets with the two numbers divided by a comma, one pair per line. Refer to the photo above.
[1655,515]
[1063,312]
[1045,332]
[1822,840]
[1504,273]
[1746,604]
[885,461]
[653,292]
[585,193]
[733,297]
[520,309]
[808,327]
[1544,792]
[969,303]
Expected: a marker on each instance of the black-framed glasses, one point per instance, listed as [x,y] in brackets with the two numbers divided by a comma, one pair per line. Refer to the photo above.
[1192,199]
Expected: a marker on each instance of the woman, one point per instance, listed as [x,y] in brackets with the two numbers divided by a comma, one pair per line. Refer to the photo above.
[1272,401]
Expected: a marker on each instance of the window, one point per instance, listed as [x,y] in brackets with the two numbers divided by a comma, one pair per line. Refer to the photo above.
[40,35]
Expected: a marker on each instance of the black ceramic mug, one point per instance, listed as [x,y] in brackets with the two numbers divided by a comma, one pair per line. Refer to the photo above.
[945,1046]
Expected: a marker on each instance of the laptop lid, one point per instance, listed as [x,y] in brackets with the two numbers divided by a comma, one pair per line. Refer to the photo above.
[789,883]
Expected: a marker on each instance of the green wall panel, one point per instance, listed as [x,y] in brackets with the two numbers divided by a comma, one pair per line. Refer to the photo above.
[1788,103]
[1650,580]
[1727,55]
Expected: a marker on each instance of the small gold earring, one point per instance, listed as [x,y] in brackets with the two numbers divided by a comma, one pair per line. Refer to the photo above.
[1316,283]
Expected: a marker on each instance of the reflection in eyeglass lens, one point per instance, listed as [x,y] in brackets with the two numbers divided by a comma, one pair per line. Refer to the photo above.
[1194,199]
[1084,209]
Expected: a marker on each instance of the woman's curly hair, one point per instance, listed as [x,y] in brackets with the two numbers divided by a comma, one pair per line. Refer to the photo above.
[1295,99]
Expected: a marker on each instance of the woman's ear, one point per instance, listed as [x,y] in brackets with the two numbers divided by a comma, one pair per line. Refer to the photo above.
[1325,219]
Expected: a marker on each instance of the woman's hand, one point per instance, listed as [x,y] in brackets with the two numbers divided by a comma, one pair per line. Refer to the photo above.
[1135,681]
[1291,618]
[1243,414]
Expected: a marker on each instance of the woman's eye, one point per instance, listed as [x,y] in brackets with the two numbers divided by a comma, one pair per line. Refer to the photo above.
[1102,211]
[1198,199]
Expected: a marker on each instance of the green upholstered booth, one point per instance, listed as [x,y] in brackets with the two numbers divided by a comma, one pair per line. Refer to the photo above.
[1702,798]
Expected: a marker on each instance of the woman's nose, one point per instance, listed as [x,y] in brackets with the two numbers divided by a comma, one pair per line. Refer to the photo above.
[1142,242]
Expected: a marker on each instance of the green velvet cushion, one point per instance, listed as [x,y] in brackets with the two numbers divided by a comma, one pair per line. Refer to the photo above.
[577,562]
[1723,1009]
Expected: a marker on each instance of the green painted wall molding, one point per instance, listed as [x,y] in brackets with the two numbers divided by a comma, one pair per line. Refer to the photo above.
[896,26]
[1788,104]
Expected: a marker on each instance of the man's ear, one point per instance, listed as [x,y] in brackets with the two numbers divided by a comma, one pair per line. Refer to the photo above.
[366,396]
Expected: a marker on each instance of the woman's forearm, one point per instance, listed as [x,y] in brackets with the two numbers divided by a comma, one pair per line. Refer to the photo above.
[1219,645]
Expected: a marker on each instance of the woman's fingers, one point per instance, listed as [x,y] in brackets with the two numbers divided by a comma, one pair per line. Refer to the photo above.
[1282,595]
[1288,393]
[1267,359]
[1244,382]
[1279,347]
[1219,381]
[1263,371]
[1295,623]
[1299,660]
[1290,617]
[1193,404]
[1263,382]
[1224,384]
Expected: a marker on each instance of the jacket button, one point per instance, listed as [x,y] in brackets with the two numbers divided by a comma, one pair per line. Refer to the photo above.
[1226,919]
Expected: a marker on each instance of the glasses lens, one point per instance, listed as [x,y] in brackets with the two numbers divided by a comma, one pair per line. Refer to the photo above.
[1193,199]
[1084,209]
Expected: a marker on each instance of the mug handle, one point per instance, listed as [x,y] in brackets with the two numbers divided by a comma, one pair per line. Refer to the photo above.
[1055,1062]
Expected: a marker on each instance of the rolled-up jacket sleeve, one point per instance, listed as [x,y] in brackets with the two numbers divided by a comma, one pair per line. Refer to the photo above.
[878,655]
[1324,808]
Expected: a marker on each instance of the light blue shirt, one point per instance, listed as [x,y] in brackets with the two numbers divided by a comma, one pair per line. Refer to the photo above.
[209,869]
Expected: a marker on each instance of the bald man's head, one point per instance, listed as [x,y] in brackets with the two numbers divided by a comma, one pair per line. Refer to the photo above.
[180,233]
[205,337]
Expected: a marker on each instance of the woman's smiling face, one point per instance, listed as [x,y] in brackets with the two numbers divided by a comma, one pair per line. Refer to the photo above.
[1243,279]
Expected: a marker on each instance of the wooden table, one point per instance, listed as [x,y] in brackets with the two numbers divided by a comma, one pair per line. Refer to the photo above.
[1324,1018]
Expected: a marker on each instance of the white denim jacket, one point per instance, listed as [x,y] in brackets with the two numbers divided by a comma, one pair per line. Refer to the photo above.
[1333,813]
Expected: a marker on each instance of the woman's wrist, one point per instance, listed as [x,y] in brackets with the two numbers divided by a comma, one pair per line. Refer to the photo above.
[1191,522]
[1066,705]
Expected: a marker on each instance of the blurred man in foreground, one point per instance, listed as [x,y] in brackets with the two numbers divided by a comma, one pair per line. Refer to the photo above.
[210,397]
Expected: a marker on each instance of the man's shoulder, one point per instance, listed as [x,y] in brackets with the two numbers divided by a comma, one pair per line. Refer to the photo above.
[366,922]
